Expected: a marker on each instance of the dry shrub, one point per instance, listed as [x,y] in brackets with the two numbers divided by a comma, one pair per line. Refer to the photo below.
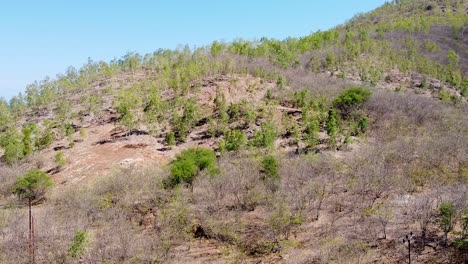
[239,186]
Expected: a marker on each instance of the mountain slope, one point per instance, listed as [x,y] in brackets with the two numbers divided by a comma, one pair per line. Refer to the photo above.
[330,148]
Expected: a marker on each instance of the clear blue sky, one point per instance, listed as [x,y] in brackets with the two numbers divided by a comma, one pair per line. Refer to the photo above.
[42,38]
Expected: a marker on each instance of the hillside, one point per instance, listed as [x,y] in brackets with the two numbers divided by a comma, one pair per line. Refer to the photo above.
[328,148]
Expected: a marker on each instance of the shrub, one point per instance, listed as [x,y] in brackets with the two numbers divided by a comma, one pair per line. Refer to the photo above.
[170,139]
[46,139]
[281,82]
[311,133]
[265,137]
[448,216]
[187,165]
[60,159]
[332,126]
[80,241]
[234,140]
[351,98]
[301,98]
[363,124]
[13,144]
[270,167]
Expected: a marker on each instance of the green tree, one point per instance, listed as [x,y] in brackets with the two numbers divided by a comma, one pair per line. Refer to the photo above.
[234,140]
[5,116]
[28,141]
[332,126]
[183,124]
[270,167]
[266,136]
[128,104]
[447,218]
[311,133]
[154,109]
[32,187]
[12,142]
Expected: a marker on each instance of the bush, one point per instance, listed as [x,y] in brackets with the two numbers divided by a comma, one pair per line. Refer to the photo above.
[265,137]
[80,241]
[270,167]
[234,140]
[60,159]
[187,165]
[45,140]
[351,98]
[170,139]
[448,217]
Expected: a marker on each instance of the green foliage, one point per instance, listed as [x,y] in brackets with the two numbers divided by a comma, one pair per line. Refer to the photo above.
[60,159]
[464,87]
[270,167]
[311,133]
[46,139]
[32,185]
[78,246]
[187,165]
[183,124]
[281,82]
[363,124]
[234,140]
[332,126]
[447,217]
[453,59]
[127,103]
[444,95]
[83,133]
[351,98]
[92,103]
[217,48]
[13,144]
[154,109]
[170,139]
[330,61]
[301,98]
[265,137]
[28,141]
[5,115]
[431,46]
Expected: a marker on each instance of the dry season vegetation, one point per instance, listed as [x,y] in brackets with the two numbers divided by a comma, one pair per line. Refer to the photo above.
[329,148]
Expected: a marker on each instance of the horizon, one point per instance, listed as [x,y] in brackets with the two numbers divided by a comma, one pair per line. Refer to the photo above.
[44,39]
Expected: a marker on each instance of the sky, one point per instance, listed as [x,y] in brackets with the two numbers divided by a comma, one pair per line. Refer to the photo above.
[42,38]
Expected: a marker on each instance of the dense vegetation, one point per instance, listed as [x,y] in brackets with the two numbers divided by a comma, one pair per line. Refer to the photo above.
[341,143]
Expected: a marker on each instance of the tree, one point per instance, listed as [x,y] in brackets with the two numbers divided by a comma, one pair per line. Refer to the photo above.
[350,99]
[235,140]
[32,187]
[266,136]
[5,115]
[128,103]
[332,126]
[12,142]
[312,133]
[448,218]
